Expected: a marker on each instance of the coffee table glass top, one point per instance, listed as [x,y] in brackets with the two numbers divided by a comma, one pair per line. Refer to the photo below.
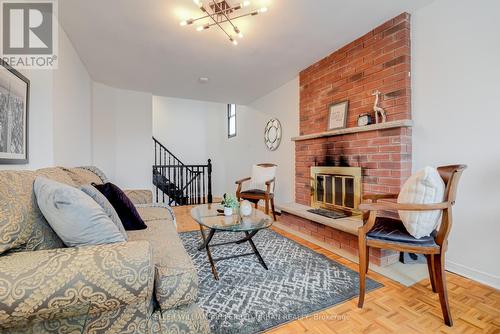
[208,216]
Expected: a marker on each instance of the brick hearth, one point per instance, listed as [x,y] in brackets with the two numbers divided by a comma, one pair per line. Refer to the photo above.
[379,60]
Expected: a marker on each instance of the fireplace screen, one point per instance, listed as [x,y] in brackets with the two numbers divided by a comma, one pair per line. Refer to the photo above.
[336,188]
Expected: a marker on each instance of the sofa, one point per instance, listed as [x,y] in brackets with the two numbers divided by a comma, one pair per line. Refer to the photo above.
[145,285]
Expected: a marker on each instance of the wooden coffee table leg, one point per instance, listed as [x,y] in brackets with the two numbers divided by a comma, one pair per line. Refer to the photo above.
[209,253]
[261,260]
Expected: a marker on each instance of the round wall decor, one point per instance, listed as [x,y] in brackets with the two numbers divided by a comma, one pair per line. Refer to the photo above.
[272,134]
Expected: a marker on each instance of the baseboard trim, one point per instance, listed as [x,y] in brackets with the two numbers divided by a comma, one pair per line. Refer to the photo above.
[473,274]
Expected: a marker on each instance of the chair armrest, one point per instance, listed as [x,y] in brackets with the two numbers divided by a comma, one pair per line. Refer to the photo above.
[376,197]
[140,196]
[59,283]
[243,180]
[390,206]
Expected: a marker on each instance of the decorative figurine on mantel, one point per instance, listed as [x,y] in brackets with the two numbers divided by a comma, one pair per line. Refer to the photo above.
[378,110]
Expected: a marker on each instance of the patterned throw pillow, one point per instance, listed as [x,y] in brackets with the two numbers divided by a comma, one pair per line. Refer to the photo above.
[126,210]
[76,218]
[105,205]
[424,187]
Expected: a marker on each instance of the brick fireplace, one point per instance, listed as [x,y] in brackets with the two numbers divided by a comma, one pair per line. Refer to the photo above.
[379,60]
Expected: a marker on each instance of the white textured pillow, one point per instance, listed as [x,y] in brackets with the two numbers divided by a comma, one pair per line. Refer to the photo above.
[424,187]
[260,175]
[75,217]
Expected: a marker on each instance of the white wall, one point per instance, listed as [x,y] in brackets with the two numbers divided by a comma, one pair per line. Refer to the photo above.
[72,108]
[248,148]
[59,112]
[121,135]
[197,130]
[456,85]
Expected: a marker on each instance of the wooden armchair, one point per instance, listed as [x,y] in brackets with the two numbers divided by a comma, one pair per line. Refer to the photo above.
[388,233]
[255,195]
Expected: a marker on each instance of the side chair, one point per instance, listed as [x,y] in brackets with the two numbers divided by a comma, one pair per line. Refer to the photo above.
[389,233]
[255,195]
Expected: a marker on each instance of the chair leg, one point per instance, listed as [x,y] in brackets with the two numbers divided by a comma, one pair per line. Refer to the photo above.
[367,259]
[432,276]
[363,259]
[441,288]
[272,208]
[267,205]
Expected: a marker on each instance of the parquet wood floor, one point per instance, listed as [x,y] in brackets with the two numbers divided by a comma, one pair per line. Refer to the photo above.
[394,308]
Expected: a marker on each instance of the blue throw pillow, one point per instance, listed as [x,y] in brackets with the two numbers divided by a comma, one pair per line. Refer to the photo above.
[76,218]
[126,210]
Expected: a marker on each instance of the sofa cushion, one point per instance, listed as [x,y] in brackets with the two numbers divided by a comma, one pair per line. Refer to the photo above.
[76,218]
[176,279]
[81,176]
[126,210]
[106,206]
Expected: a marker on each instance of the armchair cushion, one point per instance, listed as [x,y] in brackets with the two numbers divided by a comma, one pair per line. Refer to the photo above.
[139,196]
[253,192]
[389,229]
[424,187]
[260,175]
[44,285]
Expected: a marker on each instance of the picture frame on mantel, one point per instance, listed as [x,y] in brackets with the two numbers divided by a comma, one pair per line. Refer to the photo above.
[338,115]
[14,110]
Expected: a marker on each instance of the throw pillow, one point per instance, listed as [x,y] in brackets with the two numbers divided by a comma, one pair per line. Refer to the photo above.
[126,210]
[424,187]
[105,205]
[75,217]
[260,175]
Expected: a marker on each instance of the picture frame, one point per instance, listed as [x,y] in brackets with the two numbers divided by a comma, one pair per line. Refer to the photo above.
[14,112]
[338,115]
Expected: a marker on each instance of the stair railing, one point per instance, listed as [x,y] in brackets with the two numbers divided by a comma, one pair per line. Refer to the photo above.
[177,183]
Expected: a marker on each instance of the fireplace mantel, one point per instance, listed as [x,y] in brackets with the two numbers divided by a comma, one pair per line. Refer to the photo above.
[374,127]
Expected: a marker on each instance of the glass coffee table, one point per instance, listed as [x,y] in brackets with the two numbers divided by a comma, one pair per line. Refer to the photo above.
[212,220]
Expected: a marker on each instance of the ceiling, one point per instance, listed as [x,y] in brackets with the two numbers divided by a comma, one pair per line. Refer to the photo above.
[139,44]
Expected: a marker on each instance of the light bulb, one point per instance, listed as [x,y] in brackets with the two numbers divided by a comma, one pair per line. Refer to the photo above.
[246,3]
[263,9]
[240,35]
[183,23]
[197,2]
[235,42]
[200,28]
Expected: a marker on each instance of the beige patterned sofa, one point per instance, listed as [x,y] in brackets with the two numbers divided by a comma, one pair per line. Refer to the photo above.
[145,285]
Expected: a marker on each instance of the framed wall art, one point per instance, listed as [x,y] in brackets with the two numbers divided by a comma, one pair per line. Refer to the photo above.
[14,109]
[338,115]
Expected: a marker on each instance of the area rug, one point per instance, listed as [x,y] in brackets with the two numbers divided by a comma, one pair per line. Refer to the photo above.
[250,299]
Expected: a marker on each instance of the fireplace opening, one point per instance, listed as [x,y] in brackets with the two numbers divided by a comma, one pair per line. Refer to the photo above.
[336,189]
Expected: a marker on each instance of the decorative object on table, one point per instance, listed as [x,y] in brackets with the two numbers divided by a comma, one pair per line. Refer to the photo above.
[272,134]
[246,208]
[14,107]
[378,110]
[365,119]
[382,232]
[216,13]
[338,115]
[263,182]
[229,203]
[255,300]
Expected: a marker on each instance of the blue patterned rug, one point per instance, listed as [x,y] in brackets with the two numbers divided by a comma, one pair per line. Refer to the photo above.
[249,299]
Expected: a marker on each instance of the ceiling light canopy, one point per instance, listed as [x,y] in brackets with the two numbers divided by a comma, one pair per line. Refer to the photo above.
[220,13]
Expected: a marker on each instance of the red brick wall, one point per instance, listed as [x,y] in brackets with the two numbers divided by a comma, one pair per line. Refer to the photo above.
[379,60]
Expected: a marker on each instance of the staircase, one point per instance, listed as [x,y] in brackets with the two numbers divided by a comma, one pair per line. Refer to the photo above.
[177,183]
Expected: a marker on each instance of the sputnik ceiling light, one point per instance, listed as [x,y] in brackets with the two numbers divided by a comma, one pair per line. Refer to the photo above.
[218,13]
